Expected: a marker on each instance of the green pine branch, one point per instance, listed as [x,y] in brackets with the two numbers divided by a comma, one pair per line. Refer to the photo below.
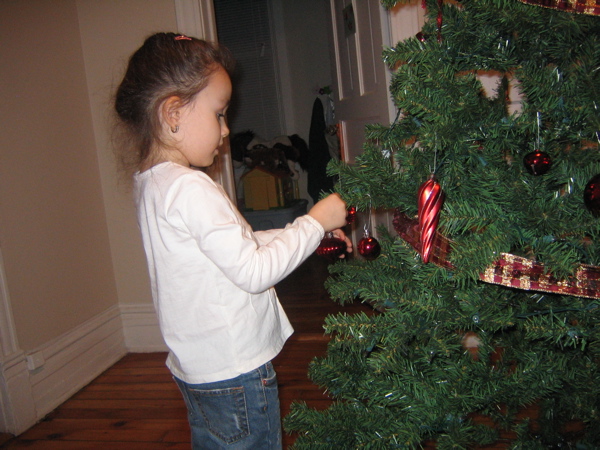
[404,374]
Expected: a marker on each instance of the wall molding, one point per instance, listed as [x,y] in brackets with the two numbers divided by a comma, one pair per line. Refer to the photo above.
[38,382]
[141,329]
[196,18]
[16,403]
[18,407]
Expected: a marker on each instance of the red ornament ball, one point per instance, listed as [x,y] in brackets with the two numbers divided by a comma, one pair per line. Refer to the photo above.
[591,195]
[537,162]
[331,248]
[369,248]
[351,214]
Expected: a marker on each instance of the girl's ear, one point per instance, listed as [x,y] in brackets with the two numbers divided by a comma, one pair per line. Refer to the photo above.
[171,111]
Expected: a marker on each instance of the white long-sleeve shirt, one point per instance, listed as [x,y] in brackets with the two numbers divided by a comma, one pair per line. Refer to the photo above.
[212,277]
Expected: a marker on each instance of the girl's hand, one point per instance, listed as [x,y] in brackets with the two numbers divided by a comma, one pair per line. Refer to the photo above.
[338,233]
[330,212]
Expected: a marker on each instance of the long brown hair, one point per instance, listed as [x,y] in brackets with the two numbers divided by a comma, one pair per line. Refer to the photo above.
[166,65]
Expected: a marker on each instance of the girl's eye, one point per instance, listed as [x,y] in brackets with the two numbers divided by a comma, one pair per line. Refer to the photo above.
[220,116]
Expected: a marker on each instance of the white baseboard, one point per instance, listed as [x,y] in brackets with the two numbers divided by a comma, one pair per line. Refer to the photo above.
[34,384]
[141,329]
[18,407]
[52,373]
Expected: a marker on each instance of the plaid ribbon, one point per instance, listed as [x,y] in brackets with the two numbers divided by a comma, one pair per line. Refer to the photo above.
[510,270]
[591,7]
[408,229]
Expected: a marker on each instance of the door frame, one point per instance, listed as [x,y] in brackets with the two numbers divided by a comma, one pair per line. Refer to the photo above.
[17,409]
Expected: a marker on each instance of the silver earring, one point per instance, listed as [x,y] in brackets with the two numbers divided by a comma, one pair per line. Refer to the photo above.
[175,129]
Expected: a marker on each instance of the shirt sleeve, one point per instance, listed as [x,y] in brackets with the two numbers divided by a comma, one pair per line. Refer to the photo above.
[266,236]
[195,204]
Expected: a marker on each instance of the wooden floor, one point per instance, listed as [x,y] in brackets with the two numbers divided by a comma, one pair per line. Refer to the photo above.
[136,405]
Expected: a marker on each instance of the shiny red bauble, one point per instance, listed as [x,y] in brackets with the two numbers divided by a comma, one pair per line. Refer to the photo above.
[537,162]
[591,195]
[369,248]
[351,215]
[331,248]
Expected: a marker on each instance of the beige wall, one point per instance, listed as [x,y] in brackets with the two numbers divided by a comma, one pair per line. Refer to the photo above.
[53,230]
[67,233]
[111,30]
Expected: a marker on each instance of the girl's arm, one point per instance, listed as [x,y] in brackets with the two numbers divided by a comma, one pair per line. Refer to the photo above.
[266,236]
[330,212]
[200,209]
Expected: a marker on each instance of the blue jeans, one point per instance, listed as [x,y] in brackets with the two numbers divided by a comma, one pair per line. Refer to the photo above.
[241,413]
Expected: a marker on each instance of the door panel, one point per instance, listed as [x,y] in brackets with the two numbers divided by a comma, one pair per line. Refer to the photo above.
[369,48]
[361,90]
[362,85]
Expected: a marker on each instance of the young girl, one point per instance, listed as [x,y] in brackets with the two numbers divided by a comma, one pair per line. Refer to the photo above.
[211,275]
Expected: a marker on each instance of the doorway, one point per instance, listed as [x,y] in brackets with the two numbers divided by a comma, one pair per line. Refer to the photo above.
[283,56]
[283,61]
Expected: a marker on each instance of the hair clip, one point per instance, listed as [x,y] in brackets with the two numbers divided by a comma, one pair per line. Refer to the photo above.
[182,37]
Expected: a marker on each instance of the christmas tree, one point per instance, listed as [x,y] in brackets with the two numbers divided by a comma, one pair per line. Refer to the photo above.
[485,325]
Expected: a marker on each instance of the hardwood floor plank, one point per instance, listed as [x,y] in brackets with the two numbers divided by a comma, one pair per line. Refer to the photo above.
[91,445]
[122,413]
[78,429]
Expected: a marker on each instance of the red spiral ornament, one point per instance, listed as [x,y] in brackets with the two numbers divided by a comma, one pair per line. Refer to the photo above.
[430,200]
[440,20]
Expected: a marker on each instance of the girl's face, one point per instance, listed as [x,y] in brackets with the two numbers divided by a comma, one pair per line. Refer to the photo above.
[202,123]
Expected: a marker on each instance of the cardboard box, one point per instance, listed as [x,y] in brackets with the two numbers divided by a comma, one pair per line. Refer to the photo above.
[264,190]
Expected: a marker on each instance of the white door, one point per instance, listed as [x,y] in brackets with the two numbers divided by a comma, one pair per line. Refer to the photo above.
[361,83]
[361,79]
[361,29]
